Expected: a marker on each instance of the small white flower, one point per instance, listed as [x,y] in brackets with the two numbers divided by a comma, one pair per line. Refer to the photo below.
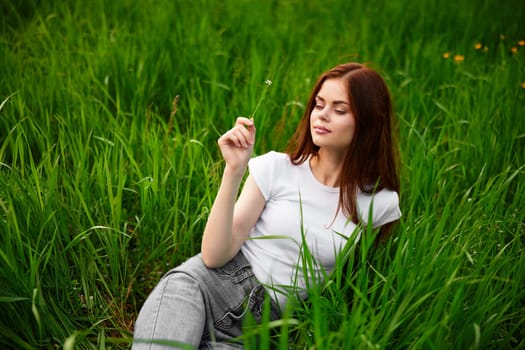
[268,82]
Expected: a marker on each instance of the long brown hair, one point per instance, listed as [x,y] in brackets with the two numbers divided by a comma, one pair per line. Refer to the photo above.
[371,161]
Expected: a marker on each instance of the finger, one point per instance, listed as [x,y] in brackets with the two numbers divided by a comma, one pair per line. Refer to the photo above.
[248,125]
[252,131]
[243,136]
[230,139]
[246,135]
[234,137]
[244,121]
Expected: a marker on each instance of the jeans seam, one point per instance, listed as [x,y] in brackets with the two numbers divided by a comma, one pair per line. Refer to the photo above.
[157,311]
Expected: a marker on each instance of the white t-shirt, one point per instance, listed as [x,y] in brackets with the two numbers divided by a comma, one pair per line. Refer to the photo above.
[299,209]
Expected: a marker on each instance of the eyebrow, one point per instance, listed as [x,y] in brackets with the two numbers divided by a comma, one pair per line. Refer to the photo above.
[335,102]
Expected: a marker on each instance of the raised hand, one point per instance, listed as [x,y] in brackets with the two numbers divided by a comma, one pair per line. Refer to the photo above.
[237,144]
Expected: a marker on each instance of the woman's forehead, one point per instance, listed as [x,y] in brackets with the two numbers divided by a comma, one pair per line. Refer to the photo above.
[334,90]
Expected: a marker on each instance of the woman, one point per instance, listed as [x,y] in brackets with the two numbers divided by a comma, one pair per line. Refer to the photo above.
[340,165]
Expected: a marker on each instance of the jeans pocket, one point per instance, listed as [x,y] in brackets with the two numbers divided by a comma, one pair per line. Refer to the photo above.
[231,321]
[238,269]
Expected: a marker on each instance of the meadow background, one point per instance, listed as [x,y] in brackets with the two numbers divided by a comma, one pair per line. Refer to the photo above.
[109,115]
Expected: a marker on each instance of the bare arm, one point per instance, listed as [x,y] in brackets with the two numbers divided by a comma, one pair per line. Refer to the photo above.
[230,221]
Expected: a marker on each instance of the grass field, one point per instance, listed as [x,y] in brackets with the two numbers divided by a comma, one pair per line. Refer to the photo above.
[109,115]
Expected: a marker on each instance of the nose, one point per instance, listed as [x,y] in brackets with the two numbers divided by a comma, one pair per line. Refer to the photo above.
[323,114]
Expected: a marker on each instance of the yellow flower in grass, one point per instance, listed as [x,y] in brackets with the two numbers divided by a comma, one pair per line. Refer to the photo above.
[478,46]
[514,50]
[523,85]
[521,43]
[446,55]
[459,58]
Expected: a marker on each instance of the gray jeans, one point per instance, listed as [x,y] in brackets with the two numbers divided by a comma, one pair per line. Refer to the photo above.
[201,307]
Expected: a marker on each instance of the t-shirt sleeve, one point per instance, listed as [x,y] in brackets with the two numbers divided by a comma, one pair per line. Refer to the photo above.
[262,171]
[391,211]
[385,208]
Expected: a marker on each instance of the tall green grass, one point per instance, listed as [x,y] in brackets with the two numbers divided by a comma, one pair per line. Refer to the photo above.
[106,178]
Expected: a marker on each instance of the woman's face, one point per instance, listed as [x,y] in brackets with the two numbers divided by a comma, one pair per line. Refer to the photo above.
[332,123]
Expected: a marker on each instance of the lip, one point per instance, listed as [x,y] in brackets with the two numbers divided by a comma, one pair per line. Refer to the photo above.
[321,130]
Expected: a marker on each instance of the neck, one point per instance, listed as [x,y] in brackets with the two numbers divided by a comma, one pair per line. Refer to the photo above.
[327,168]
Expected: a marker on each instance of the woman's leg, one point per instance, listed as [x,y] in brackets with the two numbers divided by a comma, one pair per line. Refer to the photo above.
[200,306]
[174,311]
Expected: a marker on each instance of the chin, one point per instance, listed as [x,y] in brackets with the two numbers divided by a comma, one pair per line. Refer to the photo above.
[316,142]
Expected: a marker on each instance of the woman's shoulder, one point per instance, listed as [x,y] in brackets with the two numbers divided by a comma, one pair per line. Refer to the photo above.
[272,158]
[384,196]
[271,164]
[268,170]
[383,203]
[383,193]
[274,155]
